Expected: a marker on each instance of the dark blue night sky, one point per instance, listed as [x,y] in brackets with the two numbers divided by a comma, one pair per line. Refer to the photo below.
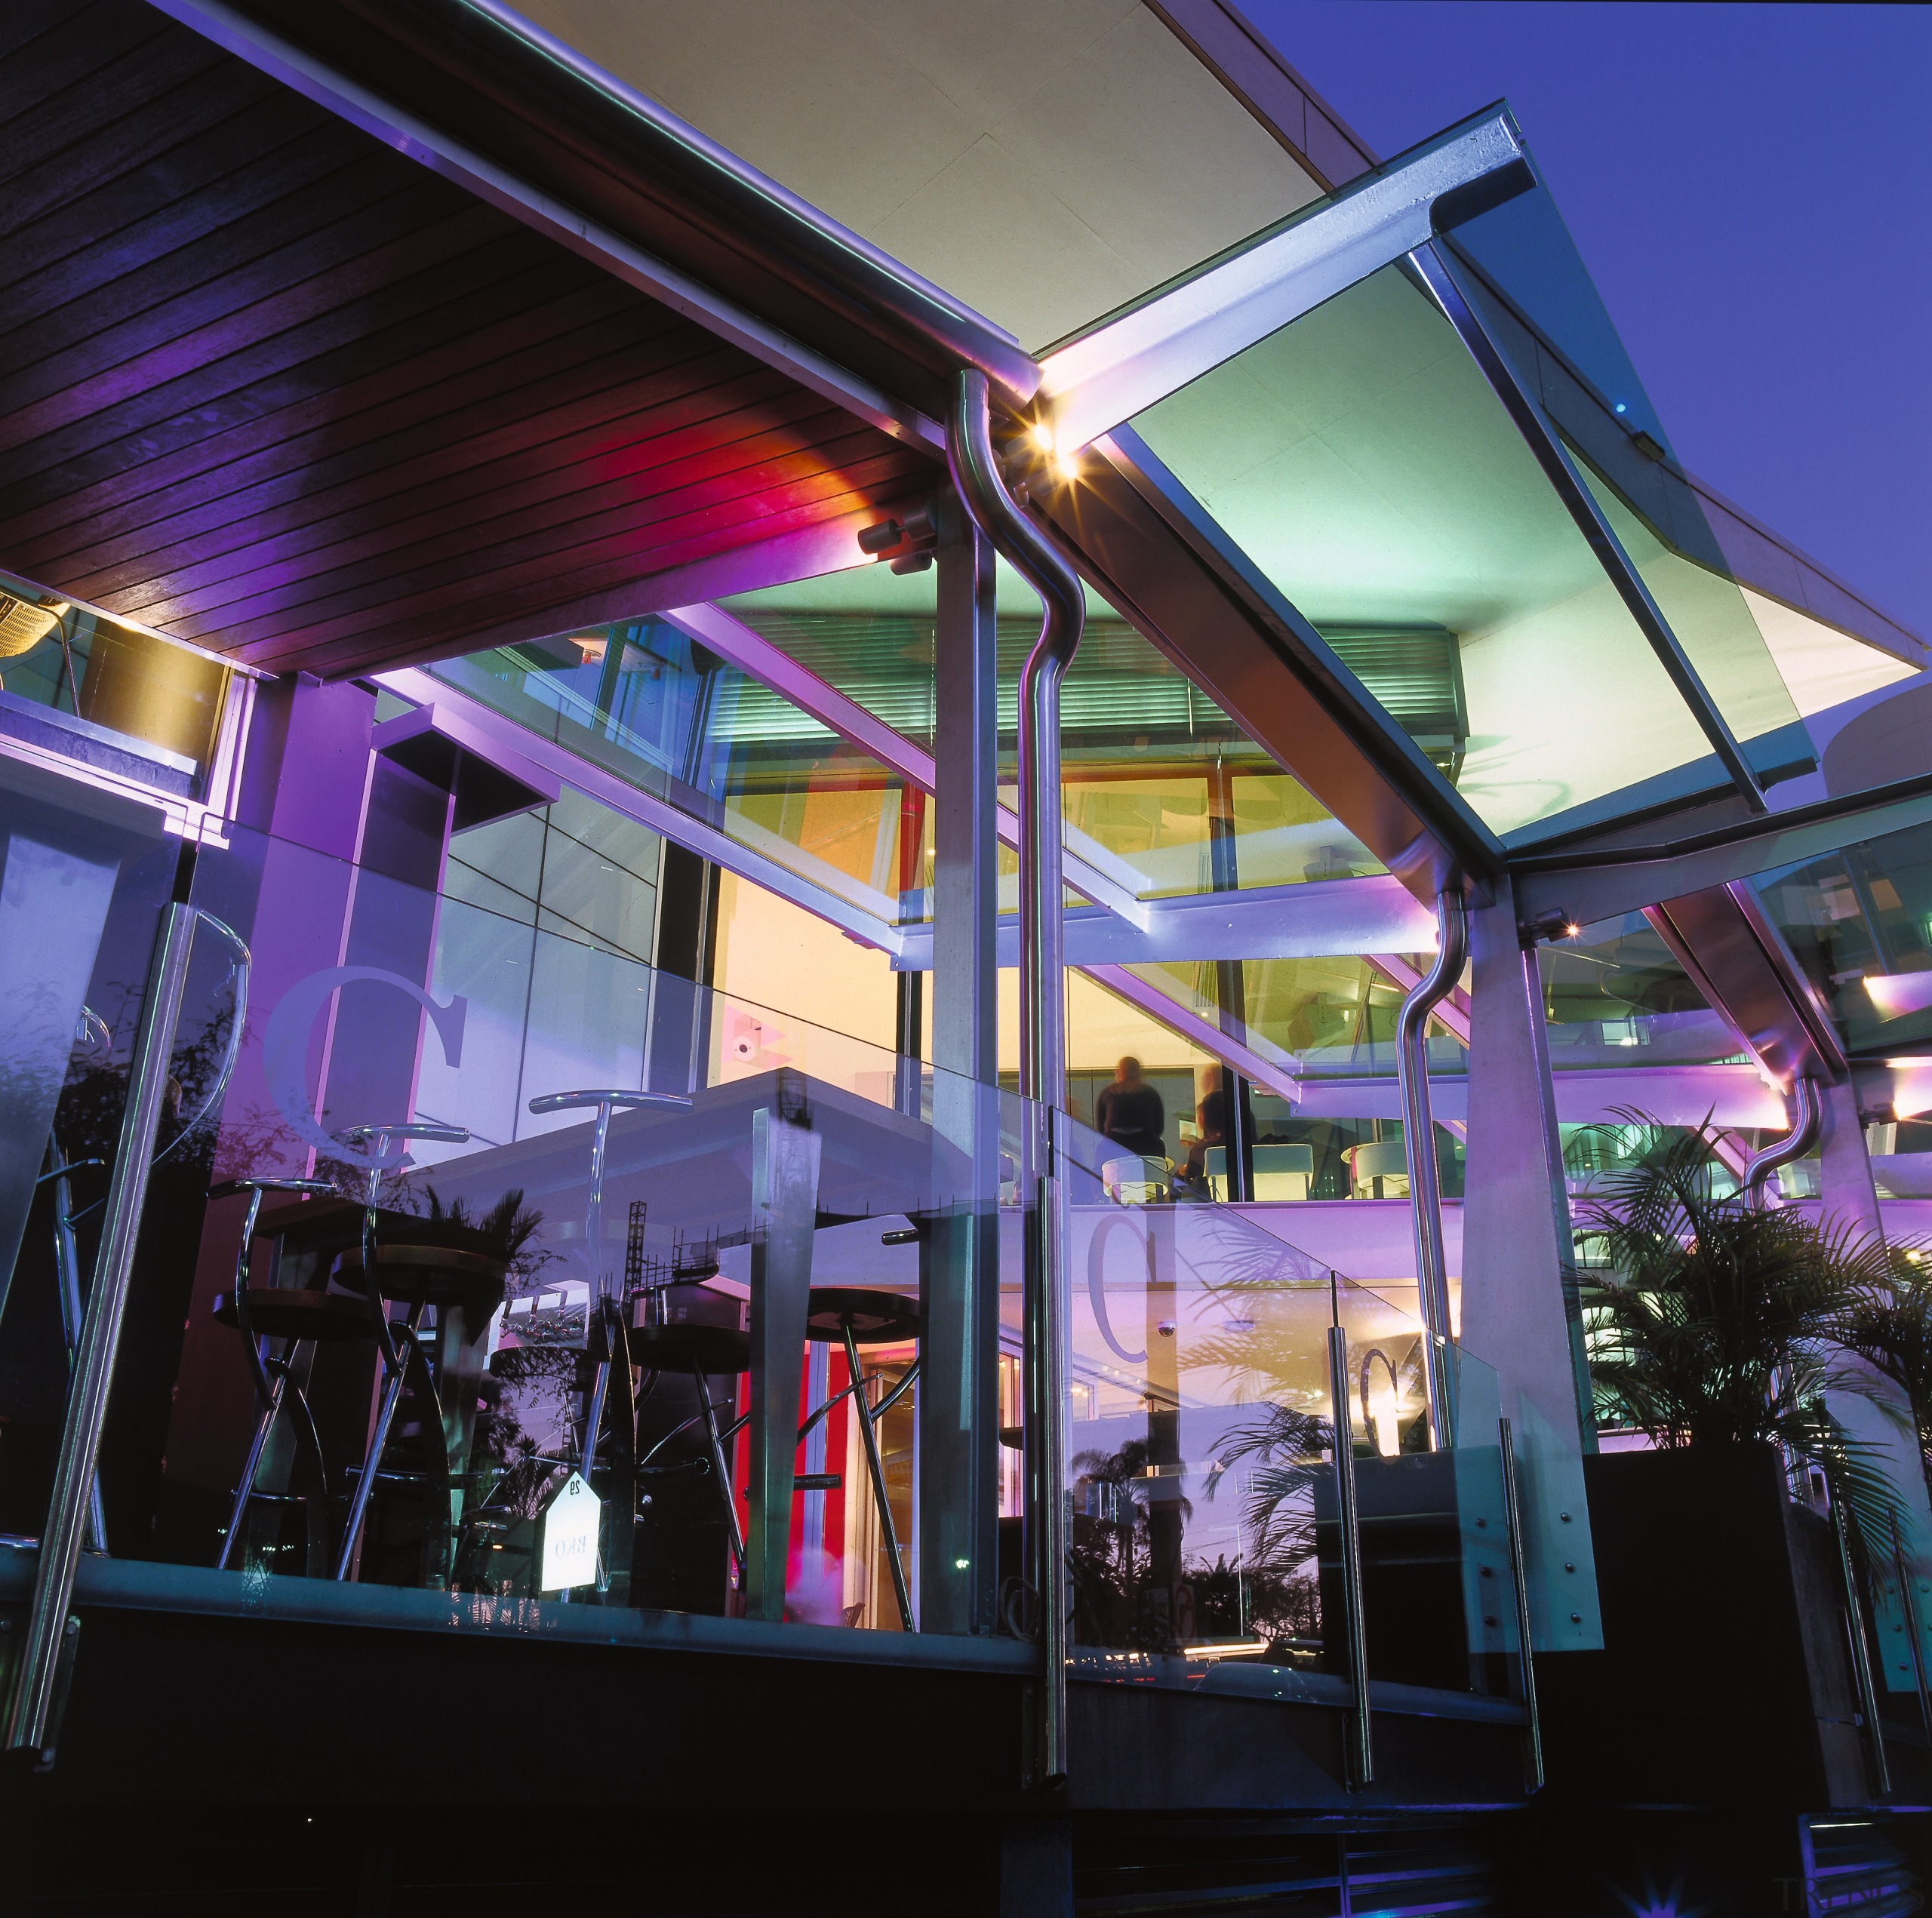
[1751,187]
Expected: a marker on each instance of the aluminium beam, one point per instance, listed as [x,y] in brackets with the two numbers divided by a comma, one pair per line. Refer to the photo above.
[1089,868]
[1095,382]
[1588,882]
[1738,959]
[1324,918]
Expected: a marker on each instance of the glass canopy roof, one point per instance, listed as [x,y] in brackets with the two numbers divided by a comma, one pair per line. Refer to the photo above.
[1509,515]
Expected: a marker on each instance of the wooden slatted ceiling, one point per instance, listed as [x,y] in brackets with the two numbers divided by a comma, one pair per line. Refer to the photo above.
[268,386]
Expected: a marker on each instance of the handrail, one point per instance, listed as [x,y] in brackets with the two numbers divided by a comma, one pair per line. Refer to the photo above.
[30,1709]
[1361,1737]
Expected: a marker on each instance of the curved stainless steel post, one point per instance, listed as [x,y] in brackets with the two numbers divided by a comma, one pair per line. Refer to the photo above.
[982,488]
[1805,1113]
[1425,1181]
[28,1709]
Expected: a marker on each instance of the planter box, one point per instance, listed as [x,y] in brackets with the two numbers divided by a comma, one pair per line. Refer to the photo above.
[1725,1678]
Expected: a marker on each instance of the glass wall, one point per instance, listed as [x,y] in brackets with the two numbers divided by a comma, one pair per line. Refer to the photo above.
[1859,922]
[483,1263]
[1203,1442]
[1161,788]
[1616,998]
[643,701]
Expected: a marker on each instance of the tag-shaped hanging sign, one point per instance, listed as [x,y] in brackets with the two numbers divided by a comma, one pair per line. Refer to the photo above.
[570,1526]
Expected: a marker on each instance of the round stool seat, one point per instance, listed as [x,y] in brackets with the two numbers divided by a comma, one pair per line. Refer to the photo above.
[877,1318]
[684,1347]
[278,1314]
[435,1275]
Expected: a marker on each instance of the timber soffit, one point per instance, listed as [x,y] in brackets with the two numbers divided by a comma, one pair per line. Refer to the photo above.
[274,387]
[472,89]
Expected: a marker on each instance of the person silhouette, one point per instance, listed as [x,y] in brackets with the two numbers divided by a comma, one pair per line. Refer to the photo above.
[1129,1112]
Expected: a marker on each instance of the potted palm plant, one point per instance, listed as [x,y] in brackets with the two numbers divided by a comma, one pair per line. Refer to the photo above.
[1710,1322]
[1715,1328]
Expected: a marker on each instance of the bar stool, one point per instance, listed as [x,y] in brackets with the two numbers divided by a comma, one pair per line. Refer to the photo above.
[397,1360]
[704,1351]
[606,1337]
[854,1316]
[262,1318]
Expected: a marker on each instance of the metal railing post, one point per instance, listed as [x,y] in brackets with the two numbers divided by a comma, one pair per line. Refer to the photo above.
[1513,1513]
[1362,1754]
[1861,1656]
[68,1504]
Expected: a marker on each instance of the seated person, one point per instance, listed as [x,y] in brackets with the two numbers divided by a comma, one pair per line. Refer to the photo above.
[1129,1112]
[1211,1116]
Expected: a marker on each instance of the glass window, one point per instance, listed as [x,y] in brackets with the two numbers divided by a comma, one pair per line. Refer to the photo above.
[1859,922]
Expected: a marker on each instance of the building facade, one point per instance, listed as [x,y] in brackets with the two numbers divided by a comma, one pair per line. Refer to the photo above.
[840,890]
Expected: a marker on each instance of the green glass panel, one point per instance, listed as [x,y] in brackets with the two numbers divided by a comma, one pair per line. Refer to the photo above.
[639,700]
[1363,464]
[1522,269]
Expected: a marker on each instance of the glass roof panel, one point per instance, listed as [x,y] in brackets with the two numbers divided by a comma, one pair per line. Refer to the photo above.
[1362,460]
[1523,249]
[1707,610]
[1522,268]
[1615,997]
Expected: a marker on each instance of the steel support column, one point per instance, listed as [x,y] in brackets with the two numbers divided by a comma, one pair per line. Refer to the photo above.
[958,1398]
[1848,1201]
[784,1159]
[1519,1312]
